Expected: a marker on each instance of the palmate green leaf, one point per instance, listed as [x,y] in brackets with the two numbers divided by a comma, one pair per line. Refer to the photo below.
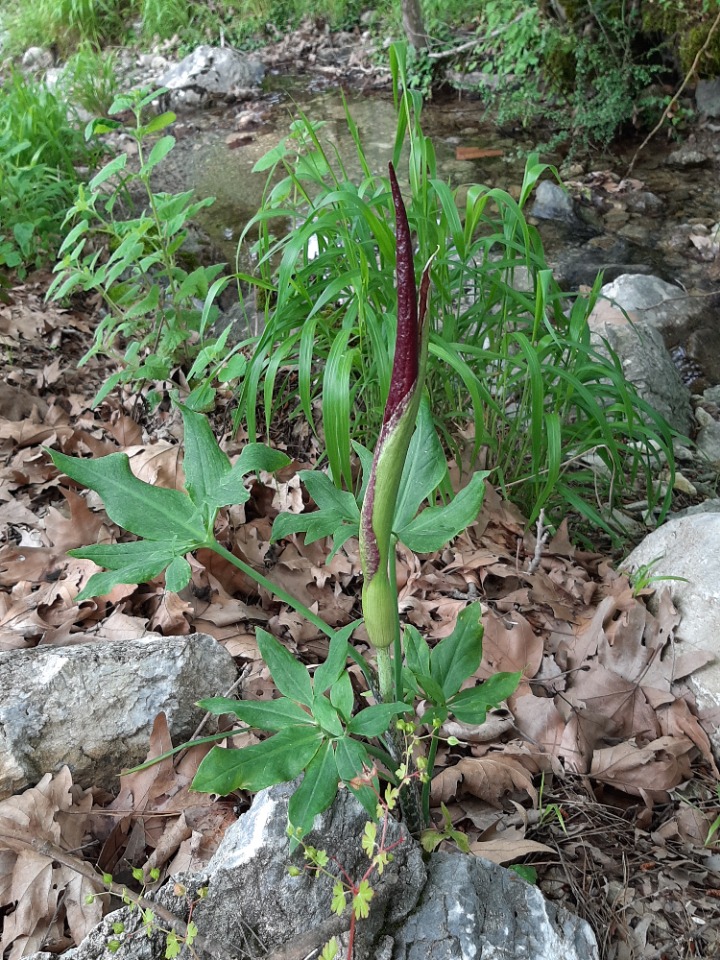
[342,696]
[317,791]
[458,656]
[417,651]
[327,496]
[276,760]
[135,562]
[290,676]
[261,714]
[374,721]
[256,456]
[315,526]
[253,458]
[147,511]
[338,514]
[470,706]
[177,575]
[205,464]
[332,667]
[431,688]
[327,716]
[352,760]
[435,526]
[116,556]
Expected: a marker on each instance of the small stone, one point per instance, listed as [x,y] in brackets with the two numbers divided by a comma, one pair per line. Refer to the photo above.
[687,156]
[552,202]
[683,485]
[37,58]
[708,439]
[703,417]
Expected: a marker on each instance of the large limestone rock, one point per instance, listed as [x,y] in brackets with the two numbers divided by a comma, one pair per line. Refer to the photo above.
[646,362]
[217,72]
[455,908]
[679,316]
[689,547]
[92,706]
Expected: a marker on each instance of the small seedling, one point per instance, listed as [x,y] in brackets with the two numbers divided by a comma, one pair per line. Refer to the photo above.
[642,577]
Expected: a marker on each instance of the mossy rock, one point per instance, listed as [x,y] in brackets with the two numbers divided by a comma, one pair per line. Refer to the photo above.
[685,26]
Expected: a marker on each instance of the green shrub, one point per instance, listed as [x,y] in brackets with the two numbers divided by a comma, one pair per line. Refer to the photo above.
[583,78]
[40,149]
[685,24]
[511,364]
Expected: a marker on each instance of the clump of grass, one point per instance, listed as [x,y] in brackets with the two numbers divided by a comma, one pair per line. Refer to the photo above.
[89,79]
[553,417]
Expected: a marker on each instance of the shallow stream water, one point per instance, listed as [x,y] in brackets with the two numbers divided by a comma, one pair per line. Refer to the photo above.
[217,149]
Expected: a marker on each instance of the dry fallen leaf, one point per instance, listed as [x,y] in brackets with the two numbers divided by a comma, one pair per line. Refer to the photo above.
[40,896]
[507,851]
[489,778]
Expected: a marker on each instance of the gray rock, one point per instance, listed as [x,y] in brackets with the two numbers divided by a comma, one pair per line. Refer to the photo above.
[712,394]
[37,58]
[707,97]
[643,201]
[688,547]
[456,908]
[252,889]
[655,302]
[92,706]
[610,254]
[469,903]
[708,506]
[646,363]
[708,438]
[687,156]
[553,202]
[212,71]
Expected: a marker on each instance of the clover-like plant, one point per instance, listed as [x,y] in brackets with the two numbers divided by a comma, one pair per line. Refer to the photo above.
[314,725]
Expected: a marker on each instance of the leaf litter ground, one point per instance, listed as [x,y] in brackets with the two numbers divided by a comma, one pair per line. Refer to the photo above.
[598,771]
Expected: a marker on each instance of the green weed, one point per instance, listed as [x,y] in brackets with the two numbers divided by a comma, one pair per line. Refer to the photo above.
[157,312]
[583,76]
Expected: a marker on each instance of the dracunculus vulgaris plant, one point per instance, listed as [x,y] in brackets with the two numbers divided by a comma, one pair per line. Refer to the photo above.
[377,543]
[314,725]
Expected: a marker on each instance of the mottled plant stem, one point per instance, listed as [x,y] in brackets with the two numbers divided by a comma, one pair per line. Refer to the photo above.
[386,675]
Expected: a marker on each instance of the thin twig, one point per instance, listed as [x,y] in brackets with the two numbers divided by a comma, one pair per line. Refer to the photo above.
[677,96]
[476,41]
[540,540]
